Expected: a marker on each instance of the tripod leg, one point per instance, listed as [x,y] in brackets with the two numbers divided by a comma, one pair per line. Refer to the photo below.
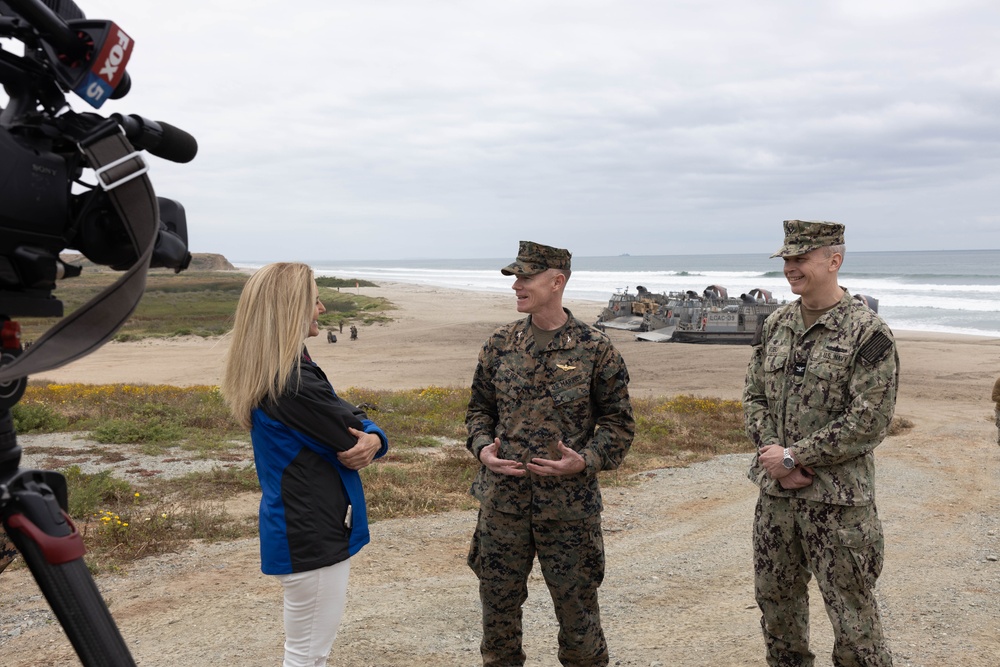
[53,550]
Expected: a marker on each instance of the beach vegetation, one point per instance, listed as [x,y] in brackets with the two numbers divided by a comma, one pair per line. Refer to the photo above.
[37,418]
[898,425]
[200,303]
[130,413]
[678,430]
[121,522]
[146,429]
[345,307]
[90,492]
[427,469]
[337,283]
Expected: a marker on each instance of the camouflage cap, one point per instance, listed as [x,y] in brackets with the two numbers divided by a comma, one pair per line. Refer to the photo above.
[801,236]
[533,258]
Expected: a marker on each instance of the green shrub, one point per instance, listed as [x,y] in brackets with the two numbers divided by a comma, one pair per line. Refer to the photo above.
[92,493]
[37,418]
[331,281]
[148,430]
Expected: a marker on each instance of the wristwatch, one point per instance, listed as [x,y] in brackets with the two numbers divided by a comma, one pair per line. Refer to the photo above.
[788,461]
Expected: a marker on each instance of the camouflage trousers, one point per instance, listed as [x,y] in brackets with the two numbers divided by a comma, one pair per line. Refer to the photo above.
[571,555]
[843,546]
[997,416]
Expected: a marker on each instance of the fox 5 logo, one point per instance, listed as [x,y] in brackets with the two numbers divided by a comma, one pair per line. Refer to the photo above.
[108,69]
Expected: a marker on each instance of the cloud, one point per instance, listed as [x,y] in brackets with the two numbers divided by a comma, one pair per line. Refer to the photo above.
[442,129]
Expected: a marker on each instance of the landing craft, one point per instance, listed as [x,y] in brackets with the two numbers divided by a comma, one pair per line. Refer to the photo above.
[687,317]
[626,311]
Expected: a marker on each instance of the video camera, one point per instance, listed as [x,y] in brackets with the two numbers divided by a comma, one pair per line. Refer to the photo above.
[45,207]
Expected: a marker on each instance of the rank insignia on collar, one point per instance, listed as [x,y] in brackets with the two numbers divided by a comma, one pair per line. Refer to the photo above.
[563,367]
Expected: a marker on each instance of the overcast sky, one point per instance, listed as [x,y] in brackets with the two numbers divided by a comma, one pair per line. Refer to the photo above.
[448,129]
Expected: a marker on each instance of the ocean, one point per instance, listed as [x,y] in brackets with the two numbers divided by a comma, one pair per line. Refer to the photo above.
[947,291]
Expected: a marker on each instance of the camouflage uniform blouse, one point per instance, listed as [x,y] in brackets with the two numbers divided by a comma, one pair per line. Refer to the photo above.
[828,392]
[575,390]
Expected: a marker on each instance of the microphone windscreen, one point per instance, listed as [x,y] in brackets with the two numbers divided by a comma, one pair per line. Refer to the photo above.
[176,144]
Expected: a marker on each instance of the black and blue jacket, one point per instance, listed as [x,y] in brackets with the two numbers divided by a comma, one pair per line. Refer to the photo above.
[312,511]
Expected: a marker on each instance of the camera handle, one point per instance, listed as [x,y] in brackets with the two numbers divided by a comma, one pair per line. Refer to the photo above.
[33,510]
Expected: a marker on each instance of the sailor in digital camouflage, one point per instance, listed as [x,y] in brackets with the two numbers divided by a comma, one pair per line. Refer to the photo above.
[549,410]
[819,396]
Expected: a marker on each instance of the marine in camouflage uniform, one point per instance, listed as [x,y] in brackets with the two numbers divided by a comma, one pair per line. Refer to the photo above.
[818,400]
[549,410]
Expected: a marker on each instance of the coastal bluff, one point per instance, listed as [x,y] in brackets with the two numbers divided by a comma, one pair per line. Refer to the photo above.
[209,261]
[200,261]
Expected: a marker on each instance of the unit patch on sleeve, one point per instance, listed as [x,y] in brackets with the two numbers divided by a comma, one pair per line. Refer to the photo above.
[875,348]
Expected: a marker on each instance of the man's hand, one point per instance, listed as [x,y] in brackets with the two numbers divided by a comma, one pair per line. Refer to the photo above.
[570,464]
[770,456]
[361,454]
[488,457]
[799,478]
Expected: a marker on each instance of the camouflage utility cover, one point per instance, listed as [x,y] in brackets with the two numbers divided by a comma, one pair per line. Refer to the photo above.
[575,390]
[802,236]
[533,258]
[829,393]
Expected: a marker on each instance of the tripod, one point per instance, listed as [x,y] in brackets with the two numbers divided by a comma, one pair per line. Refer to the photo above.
[33,506]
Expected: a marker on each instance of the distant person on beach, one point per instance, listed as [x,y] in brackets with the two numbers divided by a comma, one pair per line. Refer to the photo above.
[309,445]
[354,332]
[819,397]
[996,412]
[549,410]
[331,337]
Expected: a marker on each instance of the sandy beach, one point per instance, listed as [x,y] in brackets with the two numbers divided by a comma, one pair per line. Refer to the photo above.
[436,334]
[679,586]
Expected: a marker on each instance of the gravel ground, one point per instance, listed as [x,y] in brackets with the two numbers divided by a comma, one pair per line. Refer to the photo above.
[678,589]
[57,451]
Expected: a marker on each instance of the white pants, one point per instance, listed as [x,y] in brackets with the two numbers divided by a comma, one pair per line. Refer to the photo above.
[314,604]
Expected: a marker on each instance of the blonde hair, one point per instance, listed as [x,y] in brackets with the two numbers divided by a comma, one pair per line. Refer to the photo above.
[271,324]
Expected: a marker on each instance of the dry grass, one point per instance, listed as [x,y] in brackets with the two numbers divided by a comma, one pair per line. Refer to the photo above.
[207,299]
[426,471]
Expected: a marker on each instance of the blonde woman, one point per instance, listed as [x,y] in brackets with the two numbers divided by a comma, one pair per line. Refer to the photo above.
[308,447]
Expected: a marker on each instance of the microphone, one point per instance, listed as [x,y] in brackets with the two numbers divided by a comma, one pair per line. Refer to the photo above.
[121,90]
[159,138]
